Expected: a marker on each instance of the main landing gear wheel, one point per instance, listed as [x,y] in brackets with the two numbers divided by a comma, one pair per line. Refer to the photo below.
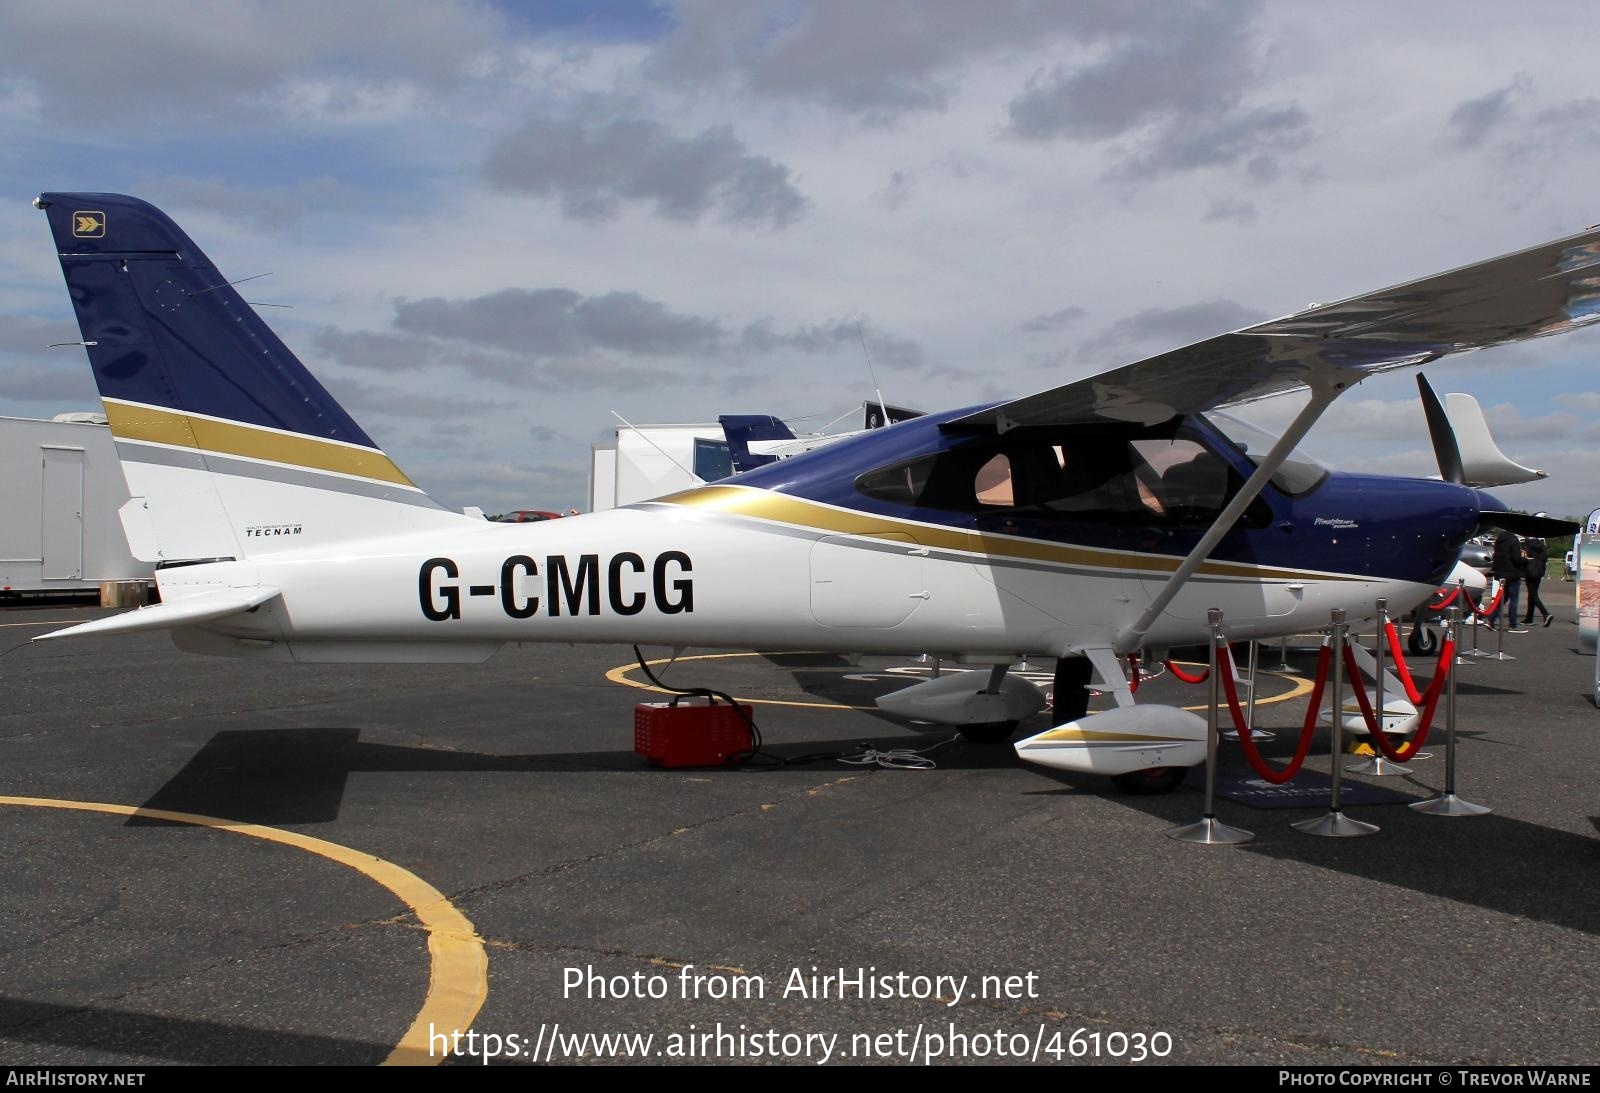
[990,732]
[1422,641]
[1150,781]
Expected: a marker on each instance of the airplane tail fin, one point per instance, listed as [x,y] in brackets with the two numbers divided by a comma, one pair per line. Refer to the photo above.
[231,448]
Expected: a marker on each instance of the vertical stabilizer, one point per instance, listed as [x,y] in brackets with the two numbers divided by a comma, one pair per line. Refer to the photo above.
[231,448]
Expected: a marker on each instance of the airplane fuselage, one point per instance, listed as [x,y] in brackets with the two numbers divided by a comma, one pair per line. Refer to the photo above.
[739,565]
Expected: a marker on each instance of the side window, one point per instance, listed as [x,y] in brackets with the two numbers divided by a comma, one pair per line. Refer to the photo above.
[1182,480]
[1079,475]
[992,486]
[902,485]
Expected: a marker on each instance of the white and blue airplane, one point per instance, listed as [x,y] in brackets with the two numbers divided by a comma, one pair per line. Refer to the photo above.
[1082,523]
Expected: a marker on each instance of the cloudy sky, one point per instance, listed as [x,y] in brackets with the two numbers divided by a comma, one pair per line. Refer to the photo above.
[494,224]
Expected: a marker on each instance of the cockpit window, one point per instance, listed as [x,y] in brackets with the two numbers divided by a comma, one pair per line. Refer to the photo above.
[1114,474]
[1299,474]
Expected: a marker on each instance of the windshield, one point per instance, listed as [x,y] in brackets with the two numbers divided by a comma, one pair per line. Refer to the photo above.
[1299,474]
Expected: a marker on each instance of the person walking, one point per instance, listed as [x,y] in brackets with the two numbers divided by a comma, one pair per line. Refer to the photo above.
[1537,552]
[1508,570]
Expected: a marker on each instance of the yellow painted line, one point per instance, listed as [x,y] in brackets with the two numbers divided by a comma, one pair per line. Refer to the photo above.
[458,973]
[619,674]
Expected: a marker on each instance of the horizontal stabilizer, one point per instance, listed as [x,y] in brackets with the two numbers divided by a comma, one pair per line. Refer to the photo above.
[164,616]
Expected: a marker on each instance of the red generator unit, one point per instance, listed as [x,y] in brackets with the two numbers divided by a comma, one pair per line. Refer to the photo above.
[691,732]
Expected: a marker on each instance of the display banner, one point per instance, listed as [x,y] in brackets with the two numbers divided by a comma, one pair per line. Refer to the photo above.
[1589,594]
[1592,525]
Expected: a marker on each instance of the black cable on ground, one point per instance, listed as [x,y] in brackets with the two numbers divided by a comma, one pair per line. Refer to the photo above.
[863,755]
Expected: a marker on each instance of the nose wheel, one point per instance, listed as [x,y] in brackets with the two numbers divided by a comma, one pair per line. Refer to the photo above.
[1422,641]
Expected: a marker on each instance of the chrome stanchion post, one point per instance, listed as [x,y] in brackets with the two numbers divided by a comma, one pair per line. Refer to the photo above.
[1500,633]
[1477,624]
[1447,803]
[1334,822]
[1209,830]
[1253,659]
[1379,765]
[1283,657]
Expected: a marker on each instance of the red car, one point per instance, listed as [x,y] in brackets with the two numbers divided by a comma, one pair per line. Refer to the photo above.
[526,516]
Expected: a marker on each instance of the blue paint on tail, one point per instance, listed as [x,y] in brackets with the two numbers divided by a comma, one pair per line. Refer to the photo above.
[166,329]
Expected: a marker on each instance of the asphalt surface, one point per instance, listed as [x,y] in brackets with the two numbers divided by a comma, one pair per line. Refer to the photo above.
[513,788]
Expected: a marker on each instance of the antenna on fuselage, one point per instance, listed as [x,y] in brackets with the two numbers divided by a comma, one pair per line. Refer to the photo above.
[871,374]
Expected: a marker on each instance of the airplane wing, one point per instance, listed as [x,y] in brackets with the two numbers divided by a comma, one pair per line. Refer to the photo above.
[193,609]
[1544,290]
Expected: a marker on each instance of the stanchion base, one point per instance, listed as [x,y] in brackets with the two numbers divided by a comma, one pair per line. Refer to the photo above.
[1255,734]
[1379,767]
[1335,824]
[1448,804]
[1476,653]
[1500,656]
[1210,832]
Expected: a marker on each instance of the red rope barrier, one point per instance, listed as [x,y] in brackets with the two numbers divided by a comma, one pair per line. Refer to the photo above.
[1184,677]
[1494,604]
[1307,730]
[1375,724]
[1402,669]
[1447,601]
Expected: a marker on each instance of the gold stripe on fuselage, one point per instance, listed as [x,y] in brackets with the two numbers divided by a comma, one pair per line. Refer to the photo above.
[1090,736]
[171,427]
[764,504]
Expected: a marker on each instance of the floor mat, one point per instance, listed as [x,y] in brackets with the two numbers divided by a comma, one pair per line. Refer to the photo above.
[1308,789]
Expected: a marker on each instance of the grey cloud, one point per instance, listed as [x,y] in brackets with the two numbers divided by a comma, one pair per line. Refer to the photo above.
[602,375]
[1587,402]
[270,207]
[24,334]
[373,350]
[1174,87]
[1506,423]
[1252,137]
[70,386]
[905,58]
[594,166]
[543,433]
[1474,119]
[1171,327]
[1053,321]
[499,486]
[558,322]
[829,337]
[105,64]
[898,190]
[1232,208]
[366,399]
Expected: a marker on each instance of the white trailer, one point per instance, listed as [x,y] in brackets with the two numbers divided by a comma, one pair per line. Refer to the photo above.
[60,489]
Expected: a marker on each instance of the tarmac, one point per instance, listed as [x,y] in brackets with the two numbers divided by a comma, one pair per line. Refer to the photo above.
[316,863]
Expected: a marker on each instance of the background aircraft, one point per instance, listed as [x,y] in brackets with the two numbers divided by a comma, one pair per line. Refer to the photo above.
[1081,523]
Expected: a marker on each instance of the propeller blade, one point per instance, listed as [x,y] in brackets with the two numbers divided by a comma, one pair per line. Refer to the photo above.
[1540,527]
[1445,449]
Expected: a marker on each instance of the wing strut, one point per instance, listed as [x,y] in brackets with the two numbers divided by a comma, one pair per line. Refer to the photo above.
[1324,389]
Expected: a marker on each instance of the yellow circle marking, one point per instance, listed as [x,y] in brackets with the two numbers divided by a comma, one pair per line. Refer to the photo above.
[458,967]
[619,674]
